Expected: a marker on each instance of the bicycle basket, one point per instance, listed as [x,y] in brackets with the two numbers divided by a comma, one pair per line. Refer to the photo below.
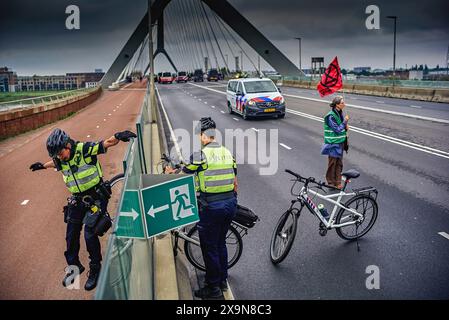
[245,217]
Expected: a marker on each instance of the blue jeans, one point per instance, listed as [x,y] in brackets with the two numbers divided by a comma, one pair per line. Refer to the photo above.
[213,226]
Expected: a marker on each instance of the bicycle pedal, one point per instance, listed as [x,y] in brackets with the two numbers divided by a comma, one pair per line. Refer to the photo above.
[323,230]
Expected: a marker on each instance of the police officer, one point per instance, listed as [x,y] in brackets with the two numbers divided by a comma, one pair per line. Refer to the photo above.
[215,170]
[82,175]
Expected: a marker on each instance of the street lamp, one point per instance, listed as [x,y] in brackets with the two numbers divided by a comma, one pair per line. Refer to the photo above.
[394,48]
[300,69]
[241,60]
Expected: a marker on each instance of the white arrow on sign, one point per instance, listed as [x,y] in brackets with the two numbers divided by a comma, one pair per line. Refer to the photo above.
[153,210]
[132,214]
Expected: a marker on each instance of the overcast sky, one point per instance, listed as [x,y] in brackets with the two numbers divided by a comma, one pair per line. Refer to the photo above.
[34,40]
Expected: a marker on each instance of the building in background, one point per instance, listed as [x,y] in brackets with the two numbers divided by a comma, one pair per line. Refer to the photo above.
[362,69]
[8,80]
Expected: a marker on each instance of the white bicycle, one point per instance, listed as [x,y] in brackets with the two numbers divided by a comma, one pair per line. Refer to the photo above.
[353,219]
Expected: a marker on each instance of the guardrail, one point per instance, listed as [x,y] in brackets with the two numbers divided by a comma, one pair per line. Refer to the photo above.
[127,271]
[429,84]
[42,100]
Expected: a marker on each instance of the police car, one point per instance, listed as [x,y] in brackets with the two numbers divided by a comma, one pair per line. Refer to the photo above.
[255,97]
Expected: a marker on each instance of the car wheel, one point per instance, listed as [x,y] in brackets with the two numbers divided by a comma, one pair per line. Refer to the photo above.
[244,115]
[230,108]
[281,116]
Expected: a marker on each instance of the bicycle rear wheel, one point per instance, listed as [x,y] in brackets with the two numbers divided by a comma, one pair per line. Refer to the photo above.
[366,206]
[117,185]
[283,236]
[193,252]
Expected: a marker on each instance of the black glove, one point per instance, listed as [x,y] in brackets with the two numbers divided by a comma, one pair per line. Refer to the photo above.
[125,135]
[37,166]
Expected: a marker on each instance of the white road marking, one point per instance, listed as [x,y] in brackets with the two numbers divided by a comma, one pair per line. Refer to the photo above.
[173,137]
[113,110]
[109,114]
[235,119]
[376,135]
[417,107]
[104,119]
[285,146]
[205,102]
[222,111]
[24,202]
[257,130]
[200,99]
[213,107]
[88,136]
[444,234]
[369,109]
[98,127]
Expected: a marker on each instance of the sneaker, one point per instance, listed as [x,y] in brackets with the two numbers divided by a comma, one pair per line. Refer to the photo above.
[211,293]
[68,275]
[92,279]
[224,285]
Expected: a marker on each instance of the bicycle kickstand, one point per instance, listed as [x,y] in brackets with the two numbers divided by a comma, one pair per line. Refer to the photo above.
[357,239]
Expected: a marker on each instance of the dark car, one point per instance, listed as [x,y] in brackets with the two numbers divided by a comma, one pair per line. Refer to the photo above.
[212,75]
[198,75]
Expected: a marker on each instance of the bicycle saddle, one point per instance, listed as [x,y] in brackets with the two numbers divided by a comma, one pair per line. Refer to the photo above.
[351,174]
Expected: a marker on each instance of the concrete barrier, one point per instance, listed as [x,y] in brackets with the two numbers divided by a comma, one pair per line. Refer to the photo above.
[21,120]
[423,94]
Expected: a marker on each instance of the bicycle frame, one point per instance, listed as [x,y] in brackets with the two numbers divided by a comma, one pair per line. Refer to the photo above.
[304,198]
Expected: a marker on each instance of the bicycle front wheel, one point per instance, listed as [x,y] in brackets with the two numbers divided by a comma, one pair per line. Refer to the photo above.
[367,207]
[193,252]
[283,236]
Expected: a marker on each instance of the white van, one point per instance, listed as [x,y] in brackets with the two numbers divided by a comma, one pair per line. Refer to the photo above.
[255,97]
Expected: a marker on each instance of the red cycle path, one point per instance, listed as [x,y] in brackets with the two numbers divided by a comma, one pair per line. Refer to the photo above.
[32,236]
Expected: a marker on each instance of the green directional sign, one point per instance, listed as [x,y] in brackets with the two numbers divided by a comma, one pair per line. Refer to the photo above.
[169,204]
[130,222]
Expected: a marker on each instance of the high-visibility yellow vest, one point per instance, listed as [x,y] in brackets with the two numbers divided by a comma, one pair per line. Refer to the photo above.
[80,173]
[329,135]
[218,177]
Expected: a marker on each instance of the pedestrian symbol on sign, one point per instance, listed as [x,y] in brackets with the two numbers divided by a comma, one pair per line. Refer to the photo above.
[180,202]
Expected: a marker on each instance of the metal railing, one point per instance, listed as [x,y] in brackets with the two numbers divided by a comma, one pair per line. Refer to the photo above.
[43,100]
[427,84]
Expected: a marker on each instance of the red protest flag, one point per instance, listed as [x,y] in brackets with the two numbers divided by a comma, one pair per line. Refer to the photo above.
[331,80]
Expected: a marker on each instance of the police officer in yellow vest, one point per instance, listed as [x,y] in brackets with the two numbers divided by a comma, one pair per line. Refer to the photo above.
[215,170]
[82,175]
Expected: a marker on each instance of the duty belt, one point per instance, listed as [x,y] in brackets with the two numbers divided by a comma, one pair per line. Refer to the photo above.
[211,197]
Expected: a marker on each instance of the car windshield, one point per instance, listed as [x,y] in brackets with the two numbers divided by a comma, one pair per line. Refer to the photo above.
[166,74]
[198,72]
[181,74]
[260,86]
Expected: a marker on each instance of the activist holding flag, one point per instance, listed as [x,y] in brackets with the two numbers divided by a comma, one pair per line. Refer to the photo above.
[335,125]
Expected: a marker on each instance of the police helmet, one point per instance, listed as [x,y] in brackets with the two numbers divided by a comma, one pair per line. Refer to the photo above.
[57,141]
[206,124]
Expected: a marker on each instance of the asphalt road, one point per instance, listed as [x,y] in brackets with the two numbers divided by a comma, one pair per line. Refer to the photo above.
[405,158]
[32,232]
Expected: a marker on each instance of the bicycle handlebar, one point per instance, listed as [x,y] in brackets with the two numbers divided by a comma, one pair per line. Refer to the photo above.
[309,180]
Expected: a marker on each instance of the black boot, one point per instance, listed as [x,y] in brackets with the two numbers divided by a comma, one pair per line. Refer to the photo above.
[92,278]
[70,274]
[224,285]
[207,292]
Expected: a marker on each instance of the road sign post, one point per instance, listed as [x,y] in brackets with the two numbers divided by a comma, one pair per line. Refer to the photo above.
[131,222]
[168,202]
